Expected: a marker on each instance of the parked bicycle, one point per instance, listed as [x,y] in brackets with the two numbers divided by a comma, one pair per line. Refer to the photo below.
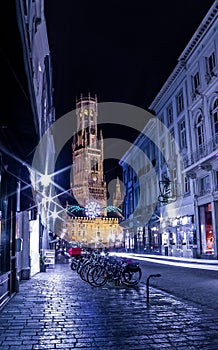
[117,271]
[98,269]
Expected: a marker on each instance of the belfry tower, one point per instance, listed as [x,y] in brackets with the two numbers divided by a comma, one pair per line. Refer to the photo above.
[87,182]
[95,229]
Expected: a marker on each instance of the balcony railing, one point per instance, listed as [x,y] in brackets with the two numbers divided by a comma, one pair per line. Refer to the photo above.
[204,150]
[204,191]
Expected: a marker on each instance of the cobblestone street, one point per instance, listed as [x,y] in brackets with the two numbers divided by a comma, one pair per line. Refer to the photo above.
[58,310]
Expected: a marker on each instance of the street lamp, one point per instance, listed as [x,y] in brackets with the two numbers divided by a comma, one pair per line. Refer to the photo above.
[165,189]
[45,179]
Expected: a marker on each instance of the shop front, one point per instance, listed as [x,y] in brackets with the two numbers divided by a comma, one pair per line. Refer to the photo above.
[207,235]
[152,238]
[178,236]
[129,241]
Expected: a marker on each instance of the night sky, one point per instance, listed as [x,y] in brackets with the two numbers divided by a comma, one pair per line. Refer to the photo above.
[123,51]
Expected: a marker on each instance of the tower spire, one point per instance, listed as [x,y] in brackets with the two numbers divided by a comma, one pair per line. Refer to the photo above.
[117,198]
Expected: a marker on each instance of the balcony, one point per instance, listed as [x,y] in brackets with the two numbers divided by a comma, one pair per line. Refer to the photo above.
[203,151]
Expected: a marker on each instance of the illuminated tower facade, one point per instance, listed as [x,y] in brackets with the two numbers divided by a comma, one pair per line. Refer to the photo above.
[117,197]
[87,182]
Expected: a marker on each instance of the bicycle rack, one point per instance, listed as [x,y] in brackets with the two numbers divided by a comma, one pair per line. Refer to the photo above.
[147,285]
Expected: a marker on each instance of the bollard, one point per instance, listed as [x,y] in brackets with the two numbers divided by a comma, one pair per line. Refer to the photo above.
[147,285]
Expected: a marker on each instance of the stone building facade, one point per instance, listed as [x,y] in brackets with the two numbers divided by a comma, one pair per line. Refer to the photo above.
[184,189]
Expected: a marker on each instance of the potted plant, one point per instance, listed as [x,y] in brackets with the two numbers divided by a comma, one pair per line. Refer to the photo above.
[42,264]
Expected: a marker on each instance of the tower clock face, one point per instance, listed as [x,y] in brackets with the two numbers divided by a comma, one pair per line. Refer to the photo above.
[94,177]
[92,209]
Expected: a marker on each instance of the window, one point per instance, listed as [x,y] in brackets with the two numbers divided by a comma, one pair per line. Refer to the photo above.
[172,144]
[211,63]
[205,185]
[186,185]
[182,134]
[136,195]
[195,81]
[216,188]
[170,114]
[179,102]
[130,203]
[94,165]
[200,131]
[206,228]
[214,114]
[161,126]
[152,151]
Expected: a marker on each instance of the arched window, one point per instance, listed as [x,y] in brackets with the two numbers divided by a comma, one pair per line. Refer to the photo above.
[200,131]
[214,114]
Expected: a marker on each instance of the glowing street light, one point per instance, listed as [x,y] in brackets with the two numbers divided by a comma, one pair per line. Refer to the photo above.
[45,179]
[54,215]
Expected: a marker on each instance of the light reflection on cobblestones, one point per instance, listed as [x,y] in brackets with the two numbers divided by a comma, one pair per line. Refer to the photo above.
[57,310]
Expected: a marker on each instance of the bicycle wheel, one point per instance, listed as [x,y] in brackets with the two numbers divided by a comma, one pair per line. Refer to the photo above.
[80,265]
[97,276]
[131,278]
[84,272]
[74,264]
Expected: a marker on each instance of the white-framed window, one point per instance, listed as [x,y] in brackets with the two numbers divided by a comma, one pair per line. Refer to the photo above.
[182,134]
[186,185]
[170,114]
[200,130]
[211,63]
[214,114]
[180,102]
[195,81]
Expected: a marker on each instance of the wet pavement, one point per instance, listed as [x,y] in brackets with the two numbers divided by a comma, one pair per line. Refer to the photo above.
[58,310]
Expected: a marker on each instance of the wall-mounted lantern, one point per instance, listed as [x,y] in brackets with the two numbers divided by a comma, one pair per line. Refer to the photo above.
[165,189]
